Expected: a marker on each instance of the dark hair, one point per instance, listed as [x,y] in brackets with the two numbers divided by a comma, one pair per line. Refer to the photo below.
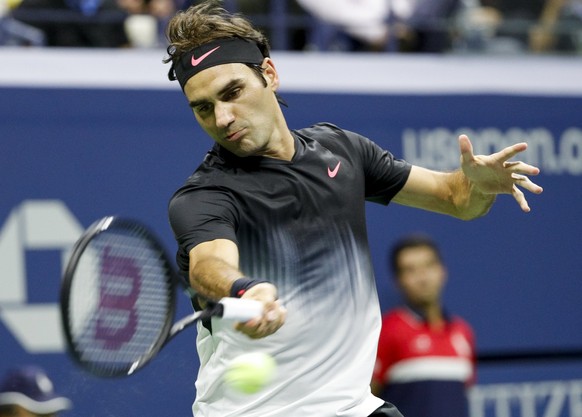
[207,22]
[417,240]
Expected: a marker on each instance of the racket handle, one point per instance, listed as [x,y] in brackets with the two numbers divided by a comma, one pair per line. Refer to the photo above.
[239,309]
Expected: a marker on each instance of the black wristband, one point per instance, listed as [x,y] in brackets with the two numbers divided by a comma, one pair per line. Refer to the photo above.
[241,285]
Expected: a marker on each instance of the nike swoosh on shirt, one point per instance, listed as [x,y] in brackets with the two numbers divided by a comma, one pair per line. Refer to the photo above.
[197,61]
[333,173]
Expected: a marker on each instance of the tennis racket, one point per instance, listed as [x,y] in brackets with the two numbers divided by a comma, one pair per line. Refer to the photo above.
[118,299]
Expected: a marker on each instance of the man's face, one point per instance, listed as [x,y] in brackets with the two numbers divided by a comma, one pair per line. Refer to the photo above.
[234,107]
[421,276]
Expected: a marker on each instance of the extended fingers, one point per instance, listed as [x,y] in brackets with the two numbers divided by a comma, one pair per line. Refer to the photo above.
[526,183]
[520,167]
[520,198]
[496,169]
[510,151]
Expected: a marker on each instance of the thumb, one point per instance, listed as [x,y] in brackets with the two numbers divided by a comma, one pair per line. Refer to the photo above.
[466,149]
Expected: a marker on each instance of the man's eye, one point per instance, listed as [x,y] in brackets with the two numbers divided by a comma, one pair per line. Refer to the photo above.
[203,108]
[232,94]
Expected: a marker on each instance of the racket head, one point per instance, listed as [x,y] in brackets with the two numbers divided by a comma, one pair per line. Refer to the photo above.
[118,297]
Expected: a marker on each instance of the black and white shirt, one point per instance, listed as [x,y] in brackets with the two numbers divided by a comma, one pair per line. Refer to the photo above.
[301,225]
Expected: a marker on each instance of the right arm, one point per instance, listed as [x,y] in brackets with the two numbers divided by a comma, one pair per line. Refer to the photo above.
[213,270]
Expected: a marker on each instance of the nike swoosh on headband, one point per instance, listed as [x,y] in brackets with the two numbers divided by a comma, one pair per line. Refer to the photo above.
[197,61]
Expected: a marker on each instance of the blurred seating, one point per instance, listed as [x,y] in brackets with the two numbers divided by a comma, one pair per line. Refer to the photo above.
[75,23]
[283,21]
[525,26]
[434,26]
[16,33]
[345,25]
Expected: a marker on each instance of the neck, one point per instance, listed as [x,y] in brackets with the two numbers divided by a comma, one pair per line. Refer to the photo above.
[282,143]
[284,147]
[432,313]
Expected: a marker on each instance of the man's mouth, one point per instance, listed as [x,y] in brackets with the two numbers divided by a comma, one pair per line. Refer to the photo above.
[233,137]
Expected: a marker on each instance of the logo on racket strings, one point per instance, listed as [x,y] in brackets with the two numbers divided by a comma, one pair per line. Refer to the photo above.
[119,288]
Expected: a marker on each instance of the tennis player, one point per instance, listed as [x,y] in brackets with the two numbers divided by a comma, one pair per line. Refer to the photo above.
[278,215]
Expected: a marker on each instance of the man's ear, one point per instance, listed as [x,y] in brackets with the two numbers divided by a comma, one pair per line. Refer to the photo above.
[270,73]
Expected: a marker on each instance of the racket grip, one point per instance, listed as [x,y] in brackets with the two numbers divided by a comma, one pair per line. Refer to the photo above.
[240,309]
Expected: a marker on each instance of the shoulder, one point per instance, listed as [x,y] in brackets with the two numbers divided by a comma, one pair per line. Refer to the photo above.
[322,128]
[461,324]
[338,140]
[327,132]
[397,326]
[211,174]
[208,190]
[398,316]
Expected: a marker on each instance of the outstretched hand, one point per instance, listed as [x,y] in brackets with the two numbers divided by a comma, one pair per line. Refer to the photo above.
[495,174]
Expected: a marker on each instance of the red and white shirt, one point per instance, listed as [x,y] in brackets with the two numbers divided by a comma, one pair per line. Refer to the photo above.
[425,370]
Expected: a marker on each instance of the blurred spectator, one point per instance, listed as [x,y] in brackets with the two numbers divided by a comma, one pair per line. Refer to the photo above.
[15,33]
[288,29]
[349,24]
[142,30]
[532,25]
[559,27]
[162,10]
[284,22]
[146,22]
[396,25]
[28,392]
[426,357]
[423,25]
[75,23]
[432,26]
[354,25]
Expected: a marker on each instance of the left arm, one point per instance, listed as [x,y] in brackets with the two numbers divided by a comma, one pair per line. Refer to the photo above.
[469,193]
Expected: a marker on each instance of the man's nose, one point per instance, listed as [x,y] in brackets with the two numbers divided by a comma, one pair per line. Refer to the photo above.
[223,114]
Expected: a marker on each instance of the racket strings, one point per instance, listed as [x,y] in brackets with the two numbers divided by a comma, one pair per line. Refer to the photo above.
[120,301]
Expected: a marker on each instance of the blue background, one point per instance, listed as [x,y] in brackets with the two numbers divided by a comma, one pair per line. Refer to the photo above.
[515,277]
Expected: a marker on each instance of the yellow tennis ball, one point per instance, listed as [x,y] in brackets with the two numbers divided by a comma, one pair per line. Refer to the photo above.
[250,372]
[13,4]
